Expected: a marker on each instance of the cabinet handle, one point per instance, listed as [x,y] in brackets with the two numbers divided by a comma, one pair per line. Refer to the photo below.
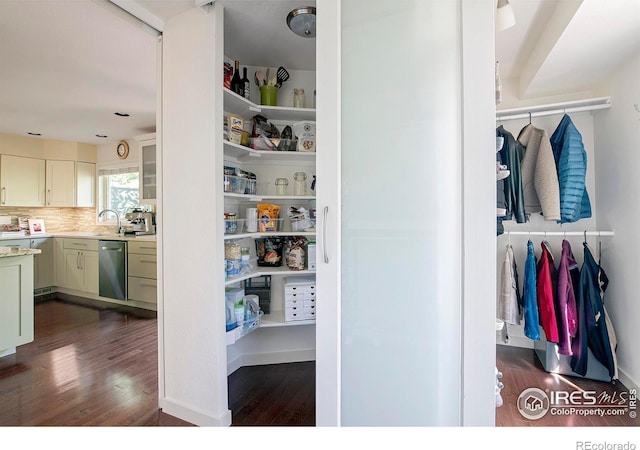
[49,196]
[324,235]
[78,261]
[81,260]
[4,195]
[145,261]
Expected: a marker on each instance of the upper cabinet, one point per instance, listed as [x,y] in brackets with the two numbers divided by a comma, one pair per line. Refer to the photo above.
[147,166]
[22,181]
[61,183]
[85,184]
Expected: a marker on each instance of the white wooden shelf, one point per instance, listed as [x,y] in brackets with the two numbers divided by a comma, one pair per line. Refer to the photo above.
[276,319]
[259,271]
[245,154]
[233,237]
[247,109]
[259,198]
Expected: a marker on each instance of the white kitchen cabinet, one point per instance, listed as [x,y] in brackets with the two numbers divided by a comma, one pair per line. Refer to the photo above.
[22,181]
[60,183]
[85,184]
[43,271]
[148,166]
[16,302]
[142,271]
[81,265]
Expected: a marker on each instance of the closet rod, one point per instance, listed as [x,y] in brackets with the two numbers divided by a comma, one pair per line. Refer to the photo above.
[559,233]
[555,108]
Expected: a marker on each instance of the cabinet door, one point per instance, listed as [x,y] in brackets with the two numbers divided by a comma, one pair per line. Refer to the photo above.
[148,172]
[59,265]
[43,263]
[74,276]
[91,274]
[16,301]
[61,183]
[85,184]
[22,181]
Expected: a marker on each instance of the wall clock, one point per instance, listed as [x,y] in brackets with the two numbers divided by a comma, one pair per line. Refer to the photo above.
[122,149]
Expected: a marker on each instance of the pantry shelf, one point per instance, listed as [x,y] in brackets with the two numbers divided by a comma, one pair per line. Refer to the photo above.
[259,198]
[284,270]
[239,236]
[245,108]
[242,153]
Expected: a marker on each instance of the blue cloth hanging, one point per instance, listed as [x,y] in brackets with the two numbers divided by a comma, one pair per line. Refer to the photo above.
[530,313]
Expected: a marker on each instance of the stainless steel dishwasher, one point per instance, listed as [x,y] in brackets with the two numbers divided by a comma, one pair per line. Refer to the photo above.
[112,262]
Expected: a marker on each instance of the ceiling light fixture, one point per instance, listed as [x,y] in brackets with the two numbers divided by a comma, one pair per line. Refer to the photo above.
[505,17]
[302,21]
[121,114]
[34,134]
[101,135]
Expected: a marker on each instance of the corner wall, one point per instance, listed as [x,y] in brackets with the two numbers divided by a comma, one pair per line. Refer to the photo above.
[617,137]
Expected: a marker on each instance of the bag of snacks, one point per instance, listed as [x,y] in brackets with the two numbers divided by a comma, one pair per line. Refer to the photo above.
[269,251]
[268,217]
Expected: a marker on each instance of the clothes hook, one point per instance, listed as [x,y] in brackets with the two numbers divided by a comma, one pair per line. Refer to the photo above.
[529,117]
[585,236]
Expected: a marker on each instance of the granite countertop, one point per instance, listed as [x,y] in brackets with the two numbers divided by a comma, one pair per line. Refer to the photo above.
[7,252]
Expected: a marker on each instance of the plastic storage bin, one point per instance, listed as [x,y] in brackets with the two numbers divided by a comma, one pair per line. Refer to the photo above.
[235,184]
[234,226]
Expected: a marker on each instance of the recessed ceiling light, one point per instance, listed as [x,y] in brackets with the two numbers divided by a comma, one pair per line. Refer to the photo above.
[34,134]
[101,135]
[121,114]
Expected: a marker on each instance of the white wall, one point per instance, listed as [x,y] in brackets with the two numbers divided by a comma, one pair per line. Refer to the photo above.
[107,156]
[617,137]
[191,317]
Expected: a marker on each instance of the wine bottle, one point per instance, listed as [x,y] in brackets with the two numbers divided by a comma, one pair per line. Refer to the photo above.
[236,82]
[246,85]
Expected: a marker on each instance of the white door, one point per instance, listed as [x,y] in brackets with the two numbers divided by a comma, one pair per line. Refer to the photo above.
[394,245]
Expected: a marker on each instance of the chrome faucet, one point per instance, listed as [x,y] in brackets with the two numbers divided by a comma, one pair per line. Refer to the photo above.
[117,218]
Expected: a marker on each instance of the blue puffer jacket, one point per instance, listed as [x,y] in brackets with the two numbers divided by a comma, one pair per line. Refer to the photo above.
[571,164]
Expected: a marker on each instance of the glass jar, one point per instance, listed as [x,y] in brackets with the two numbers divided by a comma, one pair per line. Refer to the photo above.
[281,186]
[300,183]
[299,99]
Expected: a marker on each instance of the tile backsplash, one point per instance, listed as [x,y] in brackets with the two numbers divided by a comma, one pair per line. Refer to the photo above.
[57,220]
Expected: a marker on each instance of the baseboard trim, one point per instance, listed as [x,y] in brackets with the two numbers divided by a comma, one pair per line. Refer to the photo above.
[260,359]
[194,416]
[625,379]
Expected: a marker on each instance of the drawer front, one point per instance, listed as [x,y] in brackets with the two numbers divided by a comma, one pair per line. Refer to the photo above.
[143,289]
[15,243]
[142,266]
[309,302]
[297,289]
[81,244]
[142,247]
[291,316]
[290,303]
[309,315]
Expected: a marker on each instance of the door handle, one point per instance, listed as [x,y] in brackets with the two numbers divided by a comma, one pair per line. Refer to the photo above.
[324,235]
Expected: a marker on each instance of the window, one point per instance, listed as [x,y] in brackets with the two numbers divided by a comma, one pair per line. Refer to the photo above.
[119,190]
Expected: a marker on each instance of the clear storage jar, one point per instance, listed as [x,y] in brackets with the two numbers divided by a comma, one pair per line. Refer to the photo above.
[281,186]
[300,183]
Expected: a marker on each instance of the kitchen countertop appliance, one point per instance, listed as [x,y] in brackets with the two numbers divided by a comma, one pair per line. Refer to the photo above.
[142,222]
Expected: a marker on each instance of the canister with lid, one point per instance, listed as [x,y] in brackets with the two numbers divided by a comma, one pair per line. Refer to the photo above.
[300,183]
[281,186]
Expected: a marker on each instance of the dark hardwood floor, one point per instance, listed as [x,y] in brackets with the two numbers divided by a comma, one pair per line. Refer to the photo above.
[97,366]
[522,369]
[93,366]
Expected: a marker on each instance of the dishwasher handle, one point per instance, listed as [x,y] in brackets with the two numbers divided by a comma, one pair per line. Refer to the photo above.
[111,249]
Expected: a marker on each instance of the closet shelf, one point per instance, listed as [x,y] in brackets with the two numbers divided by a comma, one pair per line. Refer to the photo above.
[559,233]
[526,112]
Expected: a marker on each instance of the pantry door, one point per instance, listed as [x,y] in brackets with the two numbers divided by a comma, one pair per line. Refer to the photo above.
[394,240]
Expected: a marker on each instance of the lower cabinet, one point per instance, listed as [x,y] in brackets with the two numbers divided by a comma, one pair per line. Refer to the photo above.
[16,302]
[81,265]
[43,272]
[142,271]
